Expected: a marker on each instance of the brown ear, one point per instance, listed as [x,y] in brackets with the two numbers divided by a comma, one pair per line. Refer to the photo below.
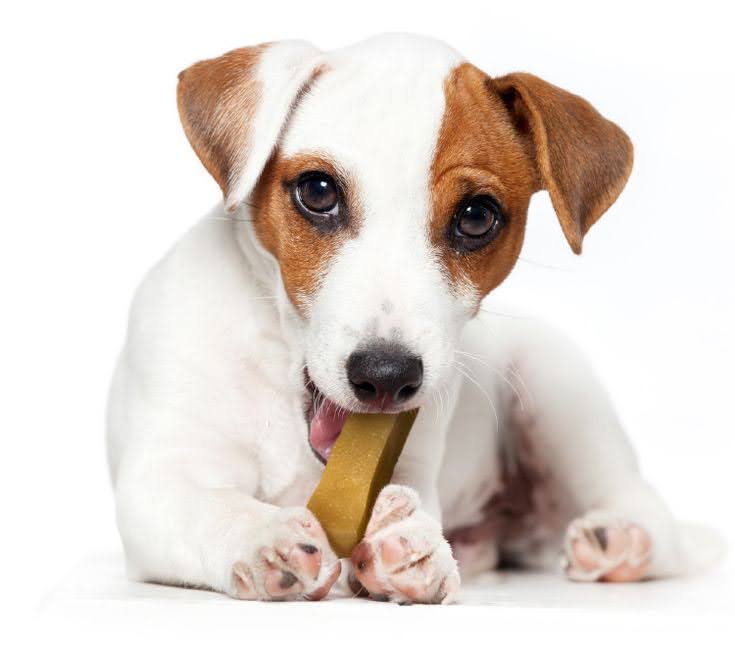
[583,160]
[234,107]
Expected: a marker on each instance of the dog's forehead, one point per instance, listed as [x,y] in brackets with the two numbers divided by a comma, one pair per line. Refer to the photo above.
[378,104]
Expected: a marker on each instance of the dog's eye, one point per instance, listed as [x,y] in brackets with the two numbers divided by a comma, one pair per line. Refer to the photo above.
[317,198]
[477,222]
[317,192]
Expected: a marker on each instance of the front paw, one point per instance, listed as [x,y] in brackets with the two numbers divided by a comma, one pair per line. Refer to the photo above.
[404,556]
[291,560]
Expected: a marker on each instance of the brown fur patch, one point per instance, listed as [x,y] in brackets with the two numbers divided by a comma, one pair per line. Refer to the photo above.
[303,253]
[479,152]
[217,100]
[510,137]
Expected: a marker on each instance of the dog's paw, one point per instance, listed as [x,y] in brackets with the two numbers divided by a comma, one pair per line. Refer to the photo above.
[603,548]
[291,561]
[404,556]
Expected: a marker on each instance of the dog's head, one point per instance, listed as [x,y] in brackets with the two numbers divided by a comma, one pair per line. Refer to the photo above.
[390,181]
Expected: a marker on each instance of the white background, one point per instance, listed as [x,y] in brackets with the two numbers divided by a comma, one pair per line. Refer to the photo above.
[97,180]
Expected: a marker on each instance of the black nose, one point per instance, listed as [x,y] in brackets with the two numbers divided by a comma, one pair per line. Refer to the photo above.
[384,373]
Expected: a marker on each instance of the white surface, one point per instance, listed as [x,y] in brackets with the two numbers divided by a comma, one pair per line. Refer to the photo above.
[98,181]
[95,602]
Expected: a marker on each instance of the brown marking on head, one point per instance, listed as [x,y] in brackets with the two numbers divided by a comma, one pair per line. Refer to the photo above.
[478,152]
[509,137]
[303,253]
[217,99]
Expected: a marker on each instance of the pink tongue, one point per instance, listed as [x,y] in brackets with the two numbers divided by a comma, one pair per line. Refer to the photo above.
[325,427]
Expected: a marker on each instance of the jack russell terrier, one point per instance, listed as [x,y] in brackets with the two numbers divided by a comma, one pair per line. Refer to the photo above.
[373,196]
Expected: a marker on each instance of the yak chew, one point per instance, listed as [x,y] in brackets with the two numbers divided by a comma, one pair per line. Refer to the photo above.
[360,464]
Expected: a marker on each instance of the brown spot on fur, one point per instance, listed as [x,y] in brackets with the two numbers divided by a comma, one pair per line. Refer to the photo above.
[303,253]
[217,100]
[478,152]
[509,137]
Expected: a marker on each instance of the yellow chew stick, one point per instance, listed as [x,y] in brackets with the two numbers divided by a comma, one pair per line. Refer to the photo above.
[360,464]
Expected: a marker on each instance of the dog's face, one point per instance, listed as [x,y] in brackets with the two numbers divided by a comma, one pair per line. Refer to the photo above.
[390,181]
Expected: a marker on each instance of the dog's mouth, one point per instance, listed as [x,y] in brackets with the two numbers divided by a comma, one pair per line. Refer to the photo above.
[324,419]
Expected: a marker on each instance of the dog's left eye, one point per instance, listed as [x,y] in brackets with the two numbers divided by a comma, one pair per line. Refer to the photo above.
[476,223]
[317,198]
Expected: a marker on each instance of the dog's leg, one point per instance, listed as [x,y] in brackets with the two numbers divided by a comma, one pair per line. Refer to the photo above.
[623,530]
[176,531]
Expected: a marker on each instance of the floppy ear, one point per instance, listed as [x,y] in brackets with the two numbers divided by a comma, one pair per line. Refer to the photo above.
[582,159]
[233,109]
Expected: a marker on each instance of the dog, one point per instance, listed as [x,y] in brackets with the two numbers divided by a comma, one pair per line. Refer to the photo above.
[373,196]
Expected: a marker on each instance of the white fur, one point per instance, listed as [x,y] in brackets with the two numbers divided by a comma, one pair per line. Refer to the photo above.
[207,438]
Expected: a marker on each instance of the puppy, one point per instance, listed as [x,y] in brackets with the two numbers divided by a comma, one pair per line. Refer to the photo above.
[373,196]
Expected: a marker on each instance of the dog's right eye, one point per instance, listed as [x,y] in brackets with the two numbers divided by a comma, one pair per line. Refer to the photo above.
[317,198]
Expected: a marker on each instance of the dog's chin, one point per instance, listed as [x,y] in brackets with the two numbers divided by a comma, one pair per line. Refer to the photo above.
[325,418]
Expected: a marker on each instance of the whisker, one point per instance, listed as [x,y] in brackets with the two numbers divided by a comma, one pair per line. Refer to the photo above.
[541,265]
[510,367]
[446,399]
[440,410]
[435,405]
[456,365]
[499,372]
[502,314]
[230,218]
